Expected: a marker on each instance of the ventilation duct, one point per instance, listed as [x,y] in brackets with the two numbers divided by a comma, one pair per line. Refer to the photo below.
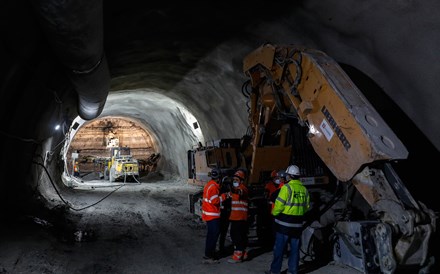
[74,29]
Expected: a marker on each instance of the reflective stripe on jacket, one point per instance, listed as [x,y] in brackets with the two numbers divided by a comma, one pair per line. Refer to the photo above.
[211,201]
[239,204]
[291,204]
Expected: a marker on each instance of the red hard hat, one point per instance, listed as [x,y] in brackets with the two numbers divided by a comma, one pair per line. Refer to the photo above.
[273,174]
[240,174]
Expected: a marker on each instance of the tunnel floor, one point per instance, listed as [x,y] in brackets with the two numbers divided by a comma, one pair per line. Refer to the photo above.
[138,228]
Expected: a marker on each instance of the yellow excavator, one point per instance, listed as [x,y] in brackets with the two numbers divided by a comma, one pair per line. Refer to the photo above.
[305,110]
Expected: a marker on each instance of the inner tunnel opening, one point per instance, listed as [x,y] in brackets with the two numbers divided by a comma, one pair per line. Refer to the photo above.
[92,150]
[151,128]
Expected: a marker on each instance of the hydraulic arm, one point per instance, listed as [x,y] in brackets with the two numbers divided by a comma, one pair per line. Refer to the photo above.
[354,143]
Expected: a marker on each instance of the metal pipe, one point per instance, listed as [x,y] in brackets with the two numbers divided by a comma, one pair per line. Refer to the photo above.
[74,30]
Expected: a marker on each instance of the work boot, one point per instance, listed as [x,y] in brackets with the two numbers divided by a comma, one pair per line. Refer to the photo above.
[236,257]
[245,256]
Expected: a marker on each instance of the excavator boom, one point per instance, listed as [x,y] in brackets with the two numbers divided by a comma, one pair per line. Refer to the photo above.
[354,143]
[305,110]
[344,129]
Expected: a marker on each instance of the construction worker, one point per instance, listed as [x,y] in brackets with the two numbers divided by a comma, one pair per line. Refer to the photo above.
[239,217]
[75,169]
[271,191]
[272,187]
[273,174]
[267,219]
[211,215]
[292,203]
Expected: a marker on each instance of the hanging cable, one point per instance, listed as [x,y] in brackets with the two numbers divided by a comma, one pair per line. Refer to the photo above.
[67,203]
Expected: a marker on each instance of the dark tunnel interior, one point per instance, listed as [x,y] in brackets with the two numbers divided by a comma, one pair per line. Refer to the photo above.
[175,71]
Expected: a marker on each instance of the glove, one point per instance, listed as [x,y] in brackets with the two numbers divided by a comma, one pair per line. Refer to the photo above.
[228,194]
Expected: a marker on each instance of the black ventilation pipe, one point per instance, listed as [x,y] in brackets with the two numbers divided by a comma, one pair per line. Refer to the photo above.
[74,29]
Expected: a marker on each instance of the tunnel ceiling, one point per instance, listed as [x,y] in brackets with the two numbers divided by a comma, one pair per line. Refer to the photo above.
[157,45]
[170,59]
[166,60]
[189,51]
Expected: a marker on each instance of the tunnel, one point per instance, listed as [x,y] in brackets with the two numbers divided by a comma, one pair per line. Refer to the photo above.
[165,77]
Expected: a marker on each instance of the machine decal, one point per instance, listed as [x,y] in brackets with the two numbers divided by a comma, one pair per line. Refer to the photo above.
[326,130]
[336,128]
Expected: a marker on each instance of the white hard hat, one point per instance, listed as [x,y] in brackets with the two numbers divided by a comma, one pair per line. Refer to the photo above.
[293,170]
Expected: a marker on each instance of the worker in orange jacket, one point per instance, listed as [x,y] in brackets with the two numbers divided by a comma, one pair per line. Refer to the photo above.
[271,191]
[273,187]
[239,217]
[211,215]
[76,169]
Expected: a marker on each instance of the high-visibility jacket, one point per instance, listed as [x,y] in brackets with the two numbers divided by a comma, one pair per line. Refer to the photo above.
[75,169]
[211,201]
[292,203]
[269,190]
[239,203]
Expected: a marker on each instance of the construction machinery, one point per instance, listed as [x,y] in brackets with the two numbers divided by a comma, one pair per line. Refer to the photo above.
[122,166]
[305,110]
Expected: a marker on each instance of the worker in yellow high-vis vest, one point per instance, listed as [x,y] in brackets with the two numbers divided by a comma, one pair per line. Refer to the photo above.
[292,203]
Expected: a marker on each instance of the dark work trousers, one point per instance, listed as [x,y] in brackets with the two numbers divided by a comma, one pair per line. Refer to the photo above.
[269,225]
[212,235]
[239,234]
[224,226]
